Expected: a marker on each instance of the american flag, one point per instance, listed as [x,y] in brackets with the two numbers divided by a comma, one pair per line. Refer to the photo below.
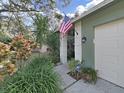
[66,25]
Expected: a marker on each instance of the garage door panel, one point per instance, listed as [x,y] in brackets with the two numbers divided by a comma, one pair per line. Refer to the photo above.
[121,43]
[120,78]
[106,31]
[109,51]
[106,76]
[121,60]
[107,62]
[107,44]
[120,28]
[120,33]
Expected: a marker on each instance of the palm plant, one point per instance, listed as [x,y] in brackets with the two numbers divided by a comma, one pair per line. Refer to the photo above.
[41,23]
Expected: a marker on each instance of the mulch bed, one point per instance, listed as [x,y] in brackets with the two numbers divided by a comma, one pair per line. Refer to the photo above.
[76,76]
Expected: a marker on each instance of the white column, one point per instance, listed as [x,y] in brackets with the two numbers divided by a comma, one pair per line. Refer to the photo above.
[63,49]
[78,41]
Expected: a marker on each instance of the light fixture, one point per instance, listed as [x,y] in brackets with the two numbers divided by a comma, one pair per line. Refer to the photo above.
[84,39]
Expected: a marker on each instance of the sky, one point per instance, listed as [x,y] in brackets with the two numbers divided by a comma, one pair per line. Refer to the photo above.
[72,6]
[75,6]
[78,6]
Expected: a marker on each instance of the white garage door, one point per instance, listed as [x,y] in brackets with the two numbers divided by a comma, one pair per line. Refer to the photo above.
[109,51]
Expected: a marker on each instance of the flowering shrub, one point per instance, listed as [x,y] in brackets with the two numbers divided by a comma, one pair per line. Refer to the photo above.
[6,67]
[4,50]
[22,46]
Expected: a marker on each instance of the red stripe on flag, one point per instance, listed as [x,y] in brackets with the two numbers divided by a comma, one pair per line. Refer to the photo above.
[67,29]
[62,26]
[68,26]
[67,23]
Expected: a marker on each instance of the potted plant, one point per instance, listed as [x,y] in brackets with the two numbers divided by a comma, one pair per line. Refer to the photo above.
[89,75]
[75,68]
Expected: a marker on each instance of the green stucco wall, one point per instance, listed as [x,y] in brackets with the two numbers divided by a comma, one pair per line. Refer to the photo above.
[107,14]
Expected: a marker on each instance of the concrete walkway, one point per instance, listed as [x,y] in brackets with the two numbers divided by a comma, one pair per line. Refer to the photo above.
[70,85]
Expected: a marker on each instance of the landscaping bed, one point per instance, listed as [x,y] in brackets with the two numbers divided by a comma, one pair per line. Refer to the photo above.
[76,76]
[77,71]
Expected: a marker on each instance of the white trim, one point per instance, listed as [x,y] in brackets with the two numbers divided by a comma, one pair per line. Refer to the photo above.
[78,41]
[102,4]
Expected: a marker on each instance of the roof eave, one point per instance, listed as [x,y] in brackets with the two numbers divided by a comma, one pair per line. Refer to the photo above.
[95,8]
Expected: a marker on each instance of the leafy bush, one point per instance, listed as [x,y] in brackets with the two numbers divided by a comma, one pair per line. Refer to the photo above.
[37,77]
[22,47]
[4,50]
[75,69]
[4,38]
[72,64]
[53,58]
[41,23]
[6,65]
[53,42]
[89,75]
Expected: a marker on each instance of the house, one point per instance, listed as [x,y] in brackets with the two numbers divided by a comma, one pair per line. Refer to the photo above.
[102,47]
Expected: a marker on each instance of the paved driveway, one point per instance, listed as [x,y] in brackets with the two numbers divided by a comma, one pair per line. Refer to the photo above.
[70,85]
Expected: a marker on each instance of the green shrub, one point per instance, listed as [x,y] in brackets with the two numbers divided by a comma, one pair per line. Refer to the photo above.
[89,75]
[53,58]
[53,42]
[37,77]
[4,38]
[72,64]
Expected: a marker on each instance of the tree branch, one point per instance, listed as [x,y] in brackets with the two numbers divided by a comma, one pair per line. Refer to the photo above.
[21,10]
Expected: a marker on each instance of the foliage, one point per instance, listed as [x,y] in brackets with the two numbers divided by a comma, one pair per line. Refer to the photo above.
[75,70]
[89,75]
[23,11]
[4,50]
[19,6]
[58,16]
[37,77]
[22,47]
[4,38]
[53,42]
[42,28]
[6,66]
[54,58]
[72,64]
